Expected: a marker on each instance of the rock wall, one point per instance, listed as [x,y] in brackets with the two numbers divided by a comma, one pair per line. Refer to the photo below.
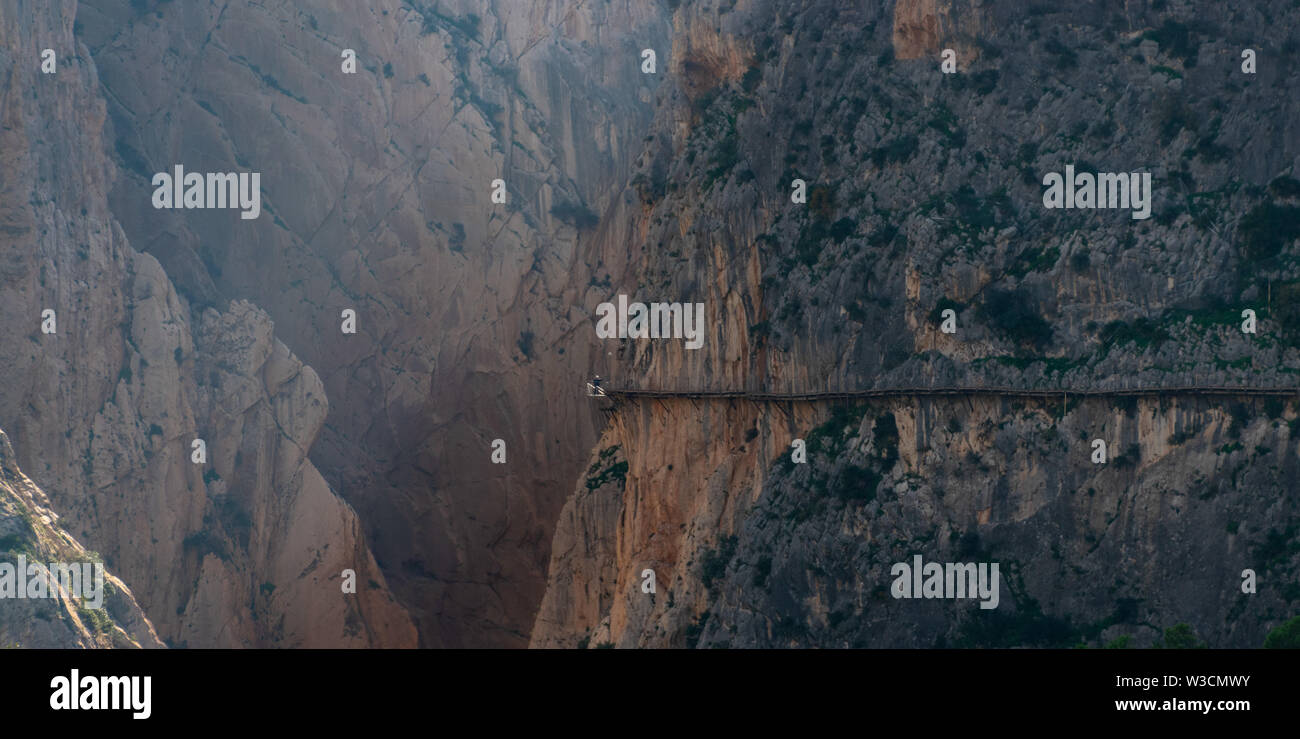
[474,317]
[781,554]
[377,197]
[30,530]
[924,193]
[245,550]
[655,495]
[924,28]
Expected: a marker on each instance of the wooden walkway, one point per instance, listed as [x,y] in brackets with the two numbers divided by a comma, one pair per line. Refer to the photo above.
[960,391]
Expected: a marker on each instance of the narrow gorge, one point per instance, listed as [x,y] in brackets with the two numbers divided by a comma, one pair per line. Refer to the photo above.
[386,364]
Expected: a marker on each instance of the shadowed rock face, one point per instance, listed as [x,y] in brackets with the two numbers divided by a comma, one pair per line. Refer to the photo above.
[1088,553]
[245,550]
[471,324]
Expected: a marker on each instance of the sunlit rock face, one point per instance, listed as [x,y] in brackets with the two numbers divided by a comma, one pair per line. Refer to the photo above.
[46,610]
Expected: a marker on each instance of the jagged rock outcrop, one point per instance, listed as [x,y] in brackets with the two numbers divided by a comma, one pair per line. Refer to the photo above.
[923,28]
[30,533]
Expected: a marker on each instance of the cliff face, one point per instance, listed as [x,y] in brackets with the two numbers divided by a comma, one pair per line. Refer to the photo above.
[243,550]
[924,28]
[377,197]
[30,530]
[925,193]
[656,493]
[762,553]
[1088,553]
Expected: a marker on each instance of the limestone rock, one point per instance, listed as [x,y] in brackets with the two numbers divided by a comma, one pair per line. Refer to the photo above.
[28,528]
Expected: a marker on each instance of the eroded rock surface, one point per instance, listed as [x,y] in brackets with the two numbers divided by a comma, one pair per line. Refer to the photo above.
[925,193]
[30,533]
[244,550]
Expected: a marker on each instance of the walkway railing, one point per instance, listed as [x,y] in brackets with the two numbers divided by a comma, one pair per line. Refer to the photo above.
[961,390]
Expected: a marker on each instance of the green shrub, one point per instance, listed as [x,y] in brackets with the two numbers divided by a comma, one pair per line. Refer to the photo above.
[1286,309]
[1285,187]
[1142,332]
[1034,259]
[1012,313]
[95,619]
[857,484]
[946,123]
[1066,58]
[713,565]
[843,228]
[616,472]
[1285,636]
[883,236]
[13,543]
[1175,40]
[985,81]
[1266,229]
[1104,130]
[897,150]
[1180,636]
[885,438]
[973,211]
